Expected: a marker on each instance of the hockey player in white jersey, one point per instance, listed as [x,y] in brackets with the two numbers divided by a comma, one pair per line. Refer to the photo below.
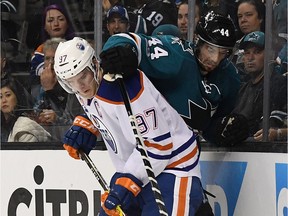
[171,146]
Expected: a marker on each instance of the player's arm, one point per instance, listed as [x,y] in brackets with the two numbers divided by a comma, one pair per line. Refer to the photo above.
[229,130]
[227,127]
[159,56]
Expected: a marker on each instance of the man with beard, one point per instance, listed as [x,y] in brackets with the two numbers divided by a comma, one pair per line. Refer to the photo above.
[197,79]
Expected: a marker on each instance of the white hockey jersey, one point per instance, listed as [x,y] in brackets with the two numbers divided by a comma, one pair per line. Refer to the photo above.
[170,145]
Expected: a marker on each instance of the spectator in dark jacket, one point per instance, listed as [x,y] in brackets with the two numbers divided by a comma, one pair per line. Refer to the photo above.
[250,101]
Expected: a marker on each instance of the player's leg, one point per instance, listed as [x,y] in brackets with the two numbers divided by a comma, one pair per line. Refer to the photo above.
[187,196]
[196,196]
[182,195]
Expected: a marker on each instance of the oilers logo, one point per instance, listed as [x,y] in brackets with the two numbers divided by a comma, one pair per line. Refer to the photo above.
[105,133]
[94,121]
[80,46]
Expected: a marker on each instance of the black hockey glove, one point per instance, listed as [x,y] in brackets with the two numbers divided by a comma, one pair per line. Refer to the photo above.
[231,130]
[119,60]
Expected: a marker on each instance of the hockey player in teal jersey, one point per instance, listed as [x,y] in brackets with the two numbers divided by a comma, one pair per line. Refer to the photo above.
[197,79]
[171,146]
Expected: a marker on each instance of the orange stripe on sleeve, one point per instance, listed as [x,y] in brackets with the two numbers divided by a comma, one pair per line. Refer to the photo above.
[186,158]
[40,48]
[158,146]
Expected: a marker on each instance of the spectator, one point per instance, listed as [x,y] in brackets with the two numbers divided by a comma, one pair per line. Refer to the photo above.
[196,79]
[55,105]
[281,39]
[157,12]
[55,23]
[281,59]
[250,99]
[182,21]
[52,98]
[117,20]
[120,19]
[274,134]
[183,17]
[15,125]
[106,4]
[251,17]
[280,16]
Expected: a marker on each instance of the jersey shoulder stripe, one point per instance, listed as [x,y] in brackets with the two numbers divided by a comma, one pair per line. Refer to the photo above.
[110,91]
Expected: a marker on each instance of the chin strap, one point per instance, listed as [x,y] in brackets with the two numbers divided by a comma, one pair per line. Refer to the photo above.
[65,86]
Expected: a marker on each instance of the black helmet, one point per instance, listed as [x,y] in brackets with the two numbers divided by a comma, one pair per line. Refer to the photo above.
[217,30]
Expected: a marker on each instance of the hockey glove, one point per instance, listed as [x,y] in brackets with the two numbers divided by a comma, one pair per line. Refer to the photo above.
[125,189]
[81,135]
[232,130]
[119,60]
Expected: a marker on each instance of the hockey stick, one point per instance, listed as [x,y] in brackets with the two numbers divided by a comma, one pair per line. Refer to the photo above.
[98,176]
[141,146]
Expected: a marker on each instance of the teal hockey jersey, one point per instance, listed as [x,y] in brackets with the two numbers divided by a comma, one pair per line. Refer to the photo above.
[171,65]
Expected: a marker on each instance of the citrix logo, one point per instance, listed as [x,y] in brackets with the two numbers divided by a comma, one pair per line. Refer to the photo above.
[281,175]
[223,179]
[56,197]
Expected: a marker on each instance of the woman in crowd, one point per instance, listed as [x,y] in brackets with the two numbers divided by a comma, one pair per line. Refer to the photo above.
[15,125]
[251,17]
[55,23]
